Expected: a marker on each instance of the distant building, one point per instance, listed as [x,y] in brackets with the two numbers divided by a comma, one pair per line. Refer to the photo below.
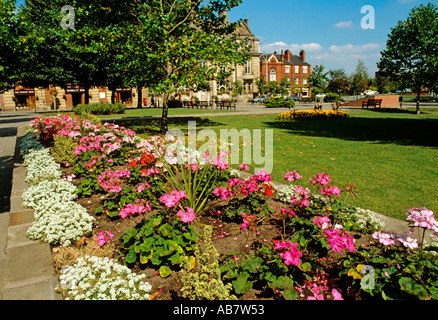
[275,67]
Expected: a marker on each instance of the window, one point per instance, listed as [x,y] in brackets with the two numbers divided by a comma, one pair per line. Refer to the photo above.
[287,69]
[297,69]
[248,67]
[297,81]
[273,75]
[304,69]
[304,81]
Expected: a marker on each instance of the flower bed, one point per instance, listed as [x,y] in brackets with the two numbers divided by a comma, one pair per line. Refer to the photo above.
[180,224]
[312,114]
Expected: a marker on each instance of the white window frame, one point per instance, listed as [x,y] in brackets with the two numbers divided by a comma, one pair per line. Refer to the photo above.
[297,69]
[248,67]
[287,69]
[273,74]
[304,81]
[304,69]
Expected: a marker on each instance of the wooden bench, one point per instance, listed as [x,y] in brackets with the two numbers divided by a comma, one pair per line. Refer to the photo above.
[204,105]
[372,103]
[317,107]
[225,105]
[187,104]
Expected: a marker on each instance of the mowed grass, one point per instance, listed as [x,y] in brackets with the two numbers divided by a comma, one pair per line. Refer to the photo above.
[391,155]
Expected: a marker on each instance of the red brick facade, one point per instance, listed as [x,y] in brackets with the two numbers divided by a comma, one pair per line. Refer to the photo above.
[275,67]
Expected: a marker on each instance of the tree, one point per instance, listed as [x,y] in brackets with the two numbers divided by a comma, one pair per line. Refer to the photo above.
[179,35]
[10,45]
[411,54]
[338,81]
[359,79]
[318,79]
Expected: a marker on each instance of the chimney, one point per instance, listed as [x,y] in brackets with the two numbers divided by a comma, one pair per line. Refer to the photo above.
[287,54]
[246,21]
[282,56]
[303,55]
[224,14]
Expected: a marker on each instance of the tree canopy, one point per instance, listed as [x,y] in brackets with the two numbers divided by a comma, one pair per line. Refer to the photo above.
[411,54]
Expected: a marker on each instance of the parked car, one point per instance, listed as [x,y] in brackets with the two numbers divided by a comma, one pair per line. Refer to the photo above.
[260,99]
[370,93]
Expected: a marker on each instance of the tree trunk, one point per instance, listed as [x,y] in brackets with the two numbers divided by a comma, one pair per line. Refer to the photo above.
[140,98]
[87,94]
[418,101]
[113,95]
[164,120]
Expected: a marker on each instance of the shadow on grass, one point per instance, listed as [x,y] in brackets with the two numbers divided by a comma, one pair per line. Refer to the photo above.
[416,132]
[151,126]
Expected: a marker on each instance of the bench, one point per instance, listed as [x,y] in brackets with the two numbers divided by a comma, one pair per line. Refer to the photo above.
[225,104]
[372,103]
[317,107]
[204,104]
[187,104]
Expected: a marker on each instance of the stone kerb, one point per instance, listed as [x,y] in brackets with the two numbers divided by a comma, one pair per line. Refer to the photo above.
[28,270]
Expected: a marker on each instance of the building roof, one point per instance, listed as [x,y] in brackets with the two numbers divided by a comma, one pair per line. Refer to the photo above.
[294,60]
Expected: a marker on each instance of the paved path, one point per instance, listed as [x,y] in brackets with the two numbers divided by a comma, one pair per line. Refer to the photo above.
[26,271]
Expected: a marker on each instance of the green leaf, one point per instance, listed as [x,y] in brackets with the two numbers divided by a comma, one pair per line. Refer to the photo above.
[410,286]
[306,266]
[165,230]
[241,284]
[131,257]
[282,283]
[164,271]
[145,256]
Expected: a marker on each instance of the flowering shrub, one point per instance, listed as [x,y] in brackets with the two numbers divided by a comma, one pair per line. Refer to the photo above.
[312,114]
[95,278]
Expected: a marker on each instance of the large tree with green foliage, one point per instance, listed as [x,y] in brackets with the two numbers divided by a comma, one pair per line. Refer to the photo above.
[10,45]
[318,79]
[411,54]
[188,42]
[359,79]
[338,81]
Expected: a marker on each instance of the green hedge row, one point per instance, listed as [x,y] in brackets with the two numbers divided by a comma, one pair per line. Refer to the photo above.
[279,103]
[99,108]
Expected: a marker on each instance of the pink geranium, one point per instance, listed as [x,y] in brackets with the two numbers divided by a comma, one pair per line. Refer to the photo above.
[292,255]
[140,206]
[104,237]
[172,199]
[186,216]
[292,176]
[243,166]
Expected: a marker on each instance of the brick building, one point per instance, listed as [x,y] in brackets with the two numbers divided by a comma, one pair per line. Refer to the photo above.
[275,67]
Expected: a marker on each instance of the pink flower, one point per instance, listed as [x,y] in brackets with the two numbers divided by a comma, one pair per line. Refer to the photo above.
[321,178]
[172,199]
[243,166]
[222,192]
[322,222]
[422,218]
[384,238]
[336,295]
[292,176]
[140,206]
[292,255]
[328,191]
[186,216]
[249,220]
[103,237]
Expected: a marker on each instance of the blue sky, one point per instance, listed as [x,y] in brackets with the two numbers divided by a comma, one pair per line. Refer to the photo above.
[328,30]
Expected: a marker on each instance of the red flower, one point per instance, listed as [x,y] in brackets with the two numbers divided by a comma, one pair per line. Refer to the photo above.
[132,163]
[268,191]
[147,158]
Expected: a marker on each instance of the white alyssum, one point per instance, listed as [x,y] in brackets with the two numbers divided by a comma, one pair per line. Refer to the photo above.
[60,222]
[41,166]
[57,189]
[101,278]
[366,220]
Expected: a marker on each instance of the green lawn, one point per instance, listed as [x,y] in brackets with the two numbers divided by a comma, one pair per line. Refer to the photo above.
[391,156]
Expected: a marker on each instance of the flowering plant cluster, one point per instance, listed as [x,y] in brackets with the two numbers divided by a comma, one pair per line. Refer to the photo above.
[291,255]
[101,278]
[58,219]
[312,114]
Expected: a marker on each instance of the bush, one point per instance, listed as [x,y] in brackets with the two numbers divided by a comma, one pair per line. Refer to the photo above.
[280,103]
[330,97]
[63,150]
[100,108]
[312,114]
